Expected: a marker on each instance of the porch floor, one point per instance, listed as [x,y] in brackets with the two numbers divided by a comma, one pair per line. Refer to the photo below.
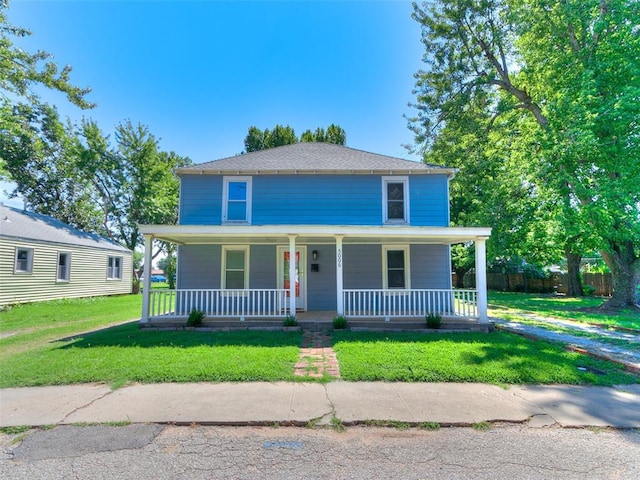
[321,320]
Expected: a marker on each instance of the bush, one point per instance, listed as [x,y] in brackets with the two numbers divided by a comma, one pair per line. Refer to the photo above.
[588,290]
[339,322]
[434,320]
[195,318]
[290,321]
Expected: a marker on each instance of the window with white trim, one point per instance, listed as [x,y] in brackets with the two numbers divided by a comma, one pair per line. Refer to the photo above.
[235,267]
[395,266]
[236,201]
[114,268]
[395,198]
[64,266]
[24,260]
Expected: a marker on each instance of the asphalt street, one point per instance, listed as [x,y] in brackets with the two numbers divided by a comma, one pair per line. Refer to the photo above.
[199,452]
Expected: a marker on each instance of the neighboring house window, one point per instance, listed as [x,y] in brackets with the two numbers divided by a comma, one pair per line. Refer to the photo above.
[236,204]
[114,268]
[24,260]
[235,268]
[395,263]
[395,197]
[64,266]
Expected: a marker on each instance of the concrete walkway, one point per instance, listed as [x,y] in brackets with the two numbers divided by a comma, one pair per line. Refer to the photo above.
[292,403]
[629,355]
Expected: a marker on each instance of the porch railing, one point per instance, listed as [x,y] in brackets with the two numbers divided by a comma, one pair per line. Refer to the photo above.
[409,303]
[247,303]
[274,303]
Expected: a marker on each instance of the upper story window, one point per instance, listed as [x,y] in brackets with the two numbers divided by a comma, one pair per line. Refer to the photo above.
[236,202]
[64,266]
[114,268]
[24,260]
[395,198]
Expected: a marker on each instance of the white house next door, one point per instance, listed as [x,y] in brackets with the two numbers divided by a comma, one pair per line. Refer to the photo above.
[283,274]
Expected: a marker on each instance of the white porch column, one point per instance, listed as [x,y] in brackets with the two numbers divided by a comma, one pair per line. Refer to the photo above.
[481,279]
[146,285]
[292,275]
[339,277]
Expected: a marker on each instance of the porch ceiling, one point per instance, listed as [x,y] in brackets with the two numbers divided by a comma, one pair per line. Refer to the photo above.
[311,234]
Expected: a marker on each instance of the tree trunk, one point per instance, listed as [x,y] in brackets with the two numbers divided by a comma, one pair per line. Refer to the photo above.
[460,273]
[574,282]
[625,272]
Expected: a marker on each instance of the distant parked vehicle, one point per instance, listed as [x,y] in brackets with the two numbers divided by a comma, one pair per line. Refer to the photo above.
[158,278]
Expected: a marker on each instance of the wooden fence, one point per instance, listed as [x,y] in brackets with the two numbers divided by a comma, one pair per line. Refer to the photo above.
[519,282]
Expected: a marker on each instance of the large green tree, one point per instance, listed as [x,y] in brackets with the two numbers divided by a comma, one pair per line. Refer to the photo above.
[554,85]
[257,139]
[21,73]
[41,158]
[132,179]
[333,134]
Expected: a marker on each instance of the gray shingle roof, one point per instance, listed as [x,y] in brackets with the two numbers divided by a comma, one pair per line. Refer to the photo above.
[25,225]
[312,158]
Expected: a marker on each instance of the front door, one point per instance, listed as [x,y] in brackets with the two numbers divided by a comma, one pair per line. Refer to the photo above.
[283,274]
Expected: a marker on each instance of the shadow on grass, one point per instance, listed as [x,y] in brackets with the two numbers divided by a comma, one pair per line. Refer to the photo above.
[129,335]
[498,357]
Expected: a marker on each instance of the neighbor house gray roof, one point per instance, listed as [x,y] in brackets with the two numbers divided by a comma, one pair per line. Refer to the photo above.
[23,225]
[309,157]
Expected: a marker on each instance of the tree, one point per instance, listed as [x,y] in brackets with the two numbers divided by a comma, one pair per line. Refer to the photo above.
[168,265]
[566,75]
[41,159]
[463,259]
[334,134]
[257,139]
[133,180]
[20,73]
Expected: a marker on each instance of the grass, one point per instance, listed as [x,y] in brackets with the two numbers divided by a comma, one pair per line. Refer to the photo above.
[482,426]
[498,358]
[45,344]
[578,309]
[30,325]
[124,354]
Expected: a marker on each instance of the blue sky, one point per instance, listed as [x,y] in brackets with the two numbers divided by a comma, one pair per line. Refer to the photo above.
[198,74]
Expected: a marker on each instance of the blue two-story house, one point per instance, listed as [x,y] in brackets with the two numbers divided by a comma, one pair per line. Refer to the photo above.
[362,235]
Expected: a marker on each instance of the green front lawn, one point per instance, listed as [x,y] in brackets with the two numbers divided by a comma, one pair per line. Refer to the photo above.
[44,344]
[498,358]
[123,354]
[584,309]
[30,325]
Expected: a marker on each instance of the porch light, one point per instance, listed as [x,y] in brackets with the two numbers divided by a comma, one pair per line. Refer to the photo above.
[315,254]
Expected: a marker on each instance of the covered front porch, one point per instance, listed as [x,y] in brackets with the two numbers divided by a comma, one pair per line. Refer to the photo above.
[337,245]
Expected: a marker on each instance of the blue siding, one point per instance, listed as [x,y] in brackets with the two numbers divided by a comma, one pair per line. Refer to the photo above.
[262,267]
[428,201]
[201,200]
[362,266]
[199,266]
[315,200]
[430,266]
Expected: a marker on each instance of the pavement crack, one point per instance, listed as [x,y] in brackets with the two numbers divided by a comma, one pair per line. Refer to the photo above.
[332,412]
[88,404]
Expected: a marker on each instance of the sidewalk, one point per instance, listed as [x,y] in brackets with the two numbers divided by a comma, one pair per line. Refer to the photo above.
[449,404]
[628,357]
